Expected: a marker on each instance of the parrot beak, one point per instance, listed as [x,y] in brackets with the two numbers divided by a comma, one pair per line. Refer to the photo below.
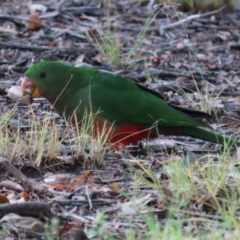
[34,91]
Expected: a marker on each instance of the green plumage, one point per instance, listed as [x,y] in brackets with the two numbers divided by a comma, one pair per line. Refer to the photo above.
[116,99]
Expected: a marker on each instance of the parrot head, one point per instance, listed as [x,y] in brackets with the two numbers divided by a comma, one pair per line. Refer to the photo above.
[45,78]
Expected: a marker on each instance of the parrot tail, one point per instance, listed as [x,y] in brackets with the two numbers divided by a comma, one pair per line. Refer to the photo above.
[209,136]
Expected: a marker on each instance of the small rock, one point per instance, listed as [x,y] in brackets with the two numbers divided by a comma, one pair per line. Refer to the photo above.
[15,94]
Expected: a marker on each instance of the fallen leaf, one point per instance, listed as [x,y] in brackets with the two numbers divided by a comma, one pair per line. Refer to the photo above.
[34,25]
[86,177]
[3,199]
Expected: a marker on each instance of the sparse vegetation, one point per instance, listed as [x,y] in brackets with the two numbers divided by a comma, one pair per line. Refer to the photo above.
[43,140]
[205,5]
[188,192]
[108,42]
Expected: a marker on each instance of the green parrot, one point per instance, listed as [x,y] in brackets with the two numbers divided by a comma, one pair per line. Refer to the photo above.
[131,111]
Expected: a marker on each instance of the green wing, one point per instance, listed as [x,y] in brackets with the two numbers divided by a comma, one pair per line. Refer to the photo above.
[123,101]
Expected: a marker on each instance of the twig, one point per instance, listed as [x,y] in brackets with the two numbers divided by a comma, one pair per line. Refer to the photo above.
[84,202]
[171,74]
[24,47]
[23,19]
[189,18]
[73,50]
[230,19]
[88,197]
[192,26]
[17,174]
[26,209]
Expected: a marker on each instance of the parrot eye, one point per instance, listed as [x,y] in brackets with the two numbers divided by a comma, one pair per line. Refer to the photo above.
[42,74]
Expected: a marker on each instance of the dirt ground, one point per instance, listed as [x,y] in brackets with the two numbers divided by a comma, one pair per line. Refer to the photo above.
[194,63]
